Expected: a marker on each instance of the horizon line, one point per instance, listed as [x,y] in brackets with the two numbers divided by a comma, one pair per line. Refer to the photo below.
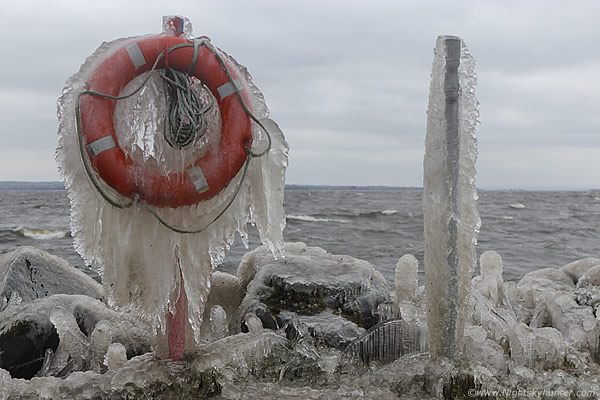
[14,184]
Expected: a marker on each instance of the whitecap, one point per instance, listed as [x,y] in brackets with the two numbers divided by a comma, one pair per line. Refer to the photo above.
[308,218]
[517,205]
[41,234]
[389,212]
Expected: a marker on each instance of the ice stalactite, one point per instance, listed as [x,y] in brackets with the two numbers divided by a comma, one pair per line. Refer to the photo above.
[144,265]
[450,213]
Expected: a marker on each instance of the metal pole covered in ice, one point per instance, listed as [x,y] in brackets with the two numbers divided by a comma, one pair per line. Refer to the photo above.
[157,261]
[450,213]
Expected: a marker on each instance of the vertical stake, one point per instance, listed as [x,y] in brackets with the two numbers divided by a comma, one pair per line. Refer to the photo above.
[450,214]
[176,325]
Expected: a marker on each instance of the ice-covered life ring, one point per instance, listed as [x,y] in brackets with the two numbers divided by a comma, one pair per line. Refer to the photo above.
[204,177]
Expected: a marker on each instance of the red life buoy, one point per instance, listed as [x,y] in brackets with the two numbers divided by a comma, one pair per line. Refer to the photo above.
[205,177]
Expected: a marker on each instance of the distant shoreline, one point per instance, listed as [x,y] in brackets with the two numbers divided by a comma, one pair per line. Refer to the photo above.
[57,185]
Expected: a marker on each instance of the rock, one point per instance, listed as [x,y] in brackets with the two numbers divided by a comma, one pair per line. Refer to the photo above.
[34,273]
[309,282]
[546,280]
[577,268]
[26,331]
[590,278]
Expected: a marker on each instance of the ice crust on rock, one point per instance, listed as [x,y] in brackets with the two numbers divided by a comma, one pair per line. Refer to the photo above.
[546,280]
[135,255]
[590,278]
[502,350]
[307,282]
[28,329]
[577,268]
[33,273]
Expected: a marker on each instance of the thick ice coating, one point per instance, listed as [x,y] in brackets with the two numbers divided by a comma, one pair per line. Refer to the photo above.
[139,258]
[449,194]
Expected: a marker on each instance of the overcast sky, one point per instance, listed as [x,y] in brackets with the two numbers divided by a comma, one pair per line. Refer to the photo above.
[347,81]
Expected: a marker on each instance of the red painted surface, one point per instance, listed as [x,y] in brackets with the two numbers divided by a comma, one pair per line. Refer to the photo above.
[129,178]
[176,326]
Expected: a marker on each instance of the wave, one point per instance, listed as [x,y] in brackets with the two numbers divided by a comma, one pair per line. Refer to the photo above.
[389,212]
[308,218]
[36,234]
[341,216]
[517,206]
[374,213]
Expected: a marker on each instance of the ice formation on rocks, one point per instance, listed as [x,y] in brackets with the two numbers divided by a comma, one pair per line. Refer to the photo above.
[450,214]
[576,269]
[490,283]
[33,273]
[144,265]
[406,279]
[218,323]
[116,356]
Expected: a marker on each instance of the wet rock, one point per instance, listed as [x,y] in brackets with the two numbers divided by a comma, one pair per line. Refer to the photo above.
[34,273]
[577,268]
[26,331]
[311,282]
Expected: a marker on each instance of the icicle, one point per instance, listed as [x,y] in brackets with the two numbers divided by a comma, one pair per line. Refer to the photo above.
[218,323]
[389,340]
[450,214]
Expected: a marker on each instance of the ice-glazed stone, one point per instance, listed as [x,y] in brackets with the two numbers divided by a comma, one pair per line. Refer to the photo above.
[310,281]
[577,268]
[543,280]
[26,330]
[590,278]
[34,273]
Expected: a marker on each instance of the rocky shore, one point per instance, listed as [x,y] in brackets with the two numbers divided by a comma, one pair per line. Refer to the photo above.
[312,325]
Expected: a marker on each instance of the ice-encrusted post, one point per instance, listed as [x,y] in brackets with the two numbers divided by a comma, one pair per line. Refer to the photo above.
[450,213]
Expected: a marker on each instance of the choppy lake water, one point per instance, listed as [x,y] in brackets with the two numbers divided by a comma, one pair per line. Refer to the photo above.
[530,230]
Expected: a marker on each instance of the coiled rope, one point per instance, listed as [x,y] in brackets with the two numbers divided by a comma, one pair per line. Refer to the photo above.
[182,122]
[185,115]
